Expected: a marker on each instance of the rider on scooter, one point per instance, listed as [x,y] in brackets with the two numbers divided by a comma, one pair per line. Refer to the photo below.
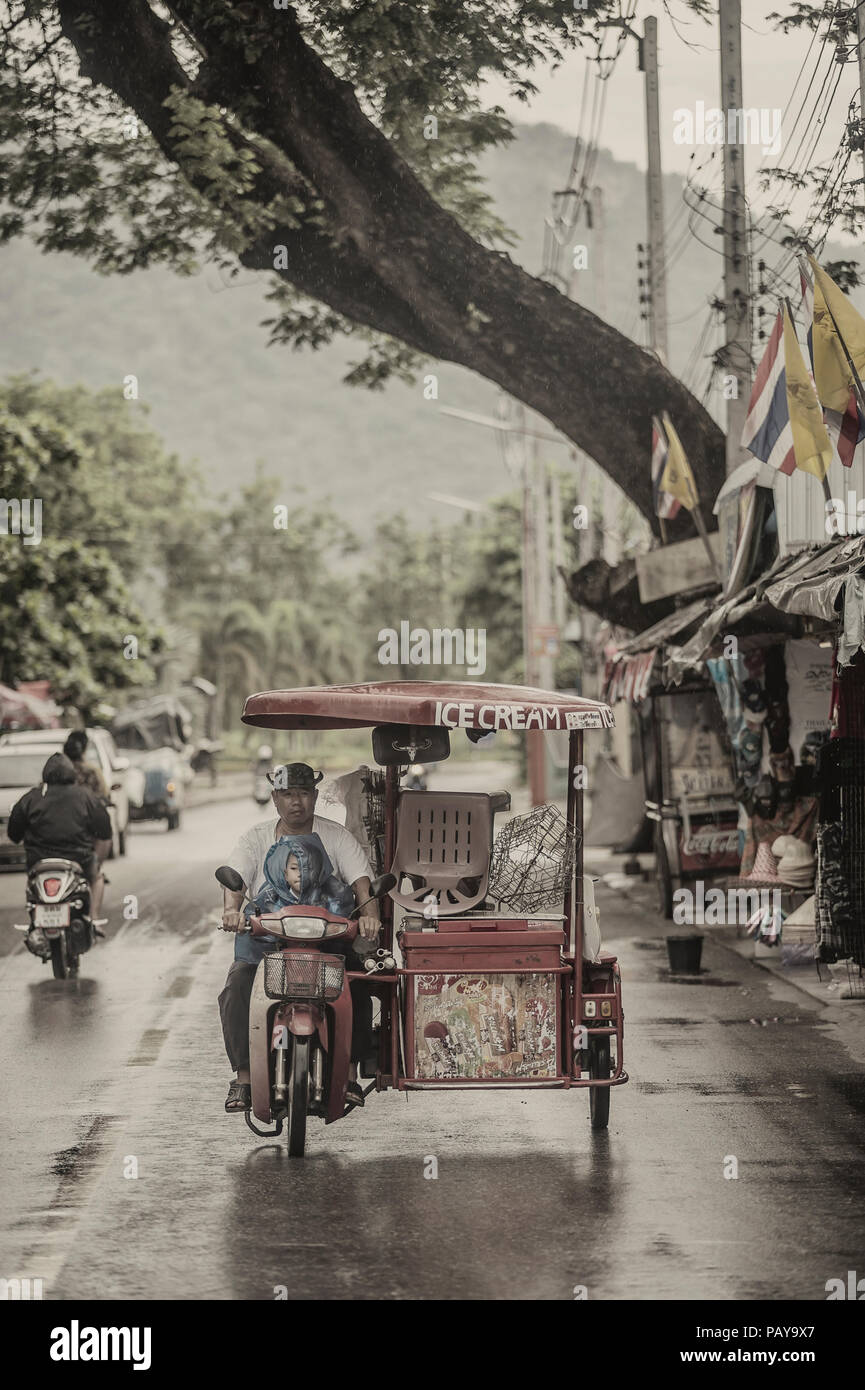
[63,819]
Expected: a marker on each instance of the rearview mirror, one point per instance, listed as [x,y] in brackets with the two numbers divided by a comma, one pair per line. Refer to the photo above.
[229,878]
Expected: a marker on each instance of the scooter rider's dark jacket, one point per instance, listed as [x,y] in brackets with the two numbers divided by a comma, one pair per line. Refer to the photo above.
[60,818]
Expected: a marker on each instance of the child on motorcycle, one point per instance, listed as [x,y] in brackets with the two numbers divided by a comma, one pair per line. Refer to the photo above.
[298,870]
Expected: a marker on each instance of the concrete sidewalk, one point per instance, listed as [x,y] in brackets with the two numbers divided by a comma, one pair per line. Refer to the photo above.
[825,984]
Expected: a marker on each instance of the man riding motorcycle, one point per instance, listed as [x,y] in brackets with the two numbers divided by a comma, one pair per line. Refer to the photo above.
[65,820]
[294,797]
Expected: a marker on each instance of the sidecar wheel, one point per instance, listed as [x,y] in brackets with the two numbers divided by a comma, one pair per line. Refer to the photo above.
[298,1097]
[599,1070]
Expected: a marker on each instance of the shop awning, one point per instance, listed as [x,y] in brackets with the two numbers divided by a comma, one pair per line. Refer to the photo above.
[629,673]
[808,584]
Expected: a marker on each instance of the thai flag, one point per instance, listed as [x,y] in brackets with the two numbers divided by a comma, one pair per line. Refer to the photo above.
[666,506]
[768,434]
[847,430]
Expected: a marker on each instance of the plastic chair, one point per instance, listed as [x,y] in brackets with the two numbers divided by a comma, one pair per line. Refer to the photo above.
[443,844]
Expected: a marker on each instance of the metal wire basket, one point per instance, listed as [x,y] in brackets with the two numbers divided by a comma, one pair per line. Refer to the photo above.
[303,975]
[533,860]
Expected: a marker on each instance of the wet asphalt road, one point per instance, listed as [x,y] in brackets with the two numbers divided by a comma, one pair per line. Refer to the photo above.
[122,1072]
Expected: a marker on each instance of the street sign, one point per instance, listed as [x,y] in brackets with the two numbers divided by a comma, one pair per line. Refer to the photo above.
[545,639]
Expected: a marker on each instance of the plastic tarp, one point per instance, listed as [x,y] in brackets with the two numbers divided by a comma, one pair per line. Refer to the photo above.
[808,584]
[629,674]
[618,807]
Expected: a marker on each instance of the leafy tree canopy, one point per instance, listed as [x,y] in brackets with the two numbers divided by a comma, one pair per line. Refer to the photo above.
[296,141]
[65,609]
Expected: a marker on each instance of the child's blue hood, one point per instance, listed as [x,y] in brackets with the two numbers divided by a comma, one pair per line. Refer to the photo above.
[315,867]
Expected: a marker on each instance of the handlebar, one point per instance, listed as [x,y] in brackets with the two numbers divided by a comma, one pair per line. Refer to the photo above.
[256,924]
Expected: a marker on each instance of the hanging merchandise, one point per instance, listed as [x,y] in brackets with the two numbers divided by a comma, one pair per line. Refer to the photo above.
[809,669]
[841,851]
[847,717]
[852,638]
[777,701]
[796,862]
[765,924]
[738,687]
[797,819]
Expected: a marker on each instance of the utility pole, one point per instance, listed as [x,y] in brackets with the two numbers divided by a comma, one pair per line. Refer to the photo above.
[559,595]
[535,587]
[737,290]
[657,275]
[544,658]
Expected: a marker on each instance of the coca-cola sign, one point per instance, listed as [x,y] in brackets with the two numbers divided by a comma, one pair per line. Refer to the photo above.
[711,842]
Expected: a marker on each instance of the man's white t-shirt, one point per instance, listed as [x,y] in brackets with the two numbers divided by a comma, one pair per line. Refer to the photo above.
[348,859]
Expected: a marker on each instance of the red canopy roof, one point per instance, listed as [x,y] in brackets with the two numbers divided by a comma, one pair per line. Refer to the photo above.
[453,704]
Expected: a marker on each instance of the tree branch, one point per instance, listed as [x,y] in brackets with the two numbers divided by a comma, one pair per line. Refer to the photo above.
[391,257]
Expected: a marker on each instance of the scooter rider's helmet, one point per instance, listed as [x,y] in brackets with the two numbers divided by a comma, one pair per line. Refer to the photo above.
[265,753]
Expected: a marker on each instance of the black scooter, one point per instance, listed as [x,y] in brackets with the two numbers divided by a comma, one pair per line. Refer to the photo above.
[58,905]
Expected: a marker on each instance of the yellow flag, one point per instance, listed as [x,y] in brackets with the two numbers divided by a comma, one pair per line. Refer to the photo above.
[677,478]
[832,371]
[811,443]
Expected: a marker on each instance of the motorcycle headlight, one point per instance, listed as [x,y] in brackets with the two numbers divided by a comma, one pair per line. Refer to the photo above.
[307,928]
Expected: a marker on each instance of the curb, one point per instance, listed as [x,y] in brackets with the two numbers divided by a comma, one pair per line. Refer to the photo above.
[820,992]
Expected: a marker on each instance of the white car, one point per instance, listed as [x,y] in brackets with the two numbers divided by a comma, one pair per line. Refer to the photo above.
[23,755]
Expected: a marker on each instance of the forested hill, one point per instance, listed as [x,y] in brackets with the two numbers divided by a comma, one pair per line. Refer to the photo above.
[217,393]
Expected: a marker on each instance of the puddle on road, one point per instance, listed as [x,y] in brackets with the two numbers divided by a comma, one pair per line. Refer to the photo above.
[70,1162]
[850,1085]
[77,1165]
[742,1088]
[667,977]
[179,987]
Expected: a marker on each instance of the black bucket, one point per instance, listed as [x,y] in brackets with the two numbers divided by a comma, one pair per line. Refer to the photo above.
[684,953]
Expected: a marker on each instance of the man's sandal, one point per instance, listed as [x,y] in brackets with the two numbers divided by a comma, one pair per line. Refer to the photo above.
[353,1094]
[239,1097]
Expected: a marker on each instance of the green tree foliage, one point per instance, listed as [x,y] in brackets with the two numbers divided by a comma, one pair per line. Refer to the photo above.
[65,606]
[297,141]
[277,607]
[104,475]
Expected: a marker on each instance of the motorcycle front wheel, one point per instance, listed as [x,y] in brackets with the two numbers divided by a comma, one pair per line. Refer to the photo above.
[298,1096]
